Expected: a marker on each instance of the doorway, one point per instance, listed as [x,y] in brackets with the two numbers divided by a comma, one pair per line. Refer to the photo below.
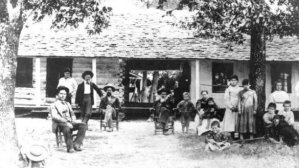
[55,67]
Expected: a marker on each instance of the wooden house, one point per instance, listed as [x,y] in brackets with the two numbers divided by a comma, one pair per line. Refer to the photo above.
[145,40]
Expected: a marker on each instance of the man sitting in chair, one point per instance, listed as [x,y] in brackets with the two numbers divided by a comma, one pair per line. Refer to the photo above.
[63,117]
[162,109]
[109,104]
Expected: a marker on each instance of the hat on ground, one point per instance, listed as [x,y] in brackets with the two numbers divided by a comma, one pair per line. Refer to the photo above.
[109,86]
[36,152]
[67,70]
[87,73]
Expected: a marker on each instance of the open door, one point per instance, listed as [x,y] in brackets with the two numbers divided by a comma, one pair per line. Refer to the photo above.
[55,67]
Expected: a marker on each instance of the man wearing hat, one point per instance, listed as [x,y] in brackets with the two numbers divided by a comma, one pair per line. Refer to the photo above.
[63,117]
[69,82]
[84,95]
[162,108]
[109,104]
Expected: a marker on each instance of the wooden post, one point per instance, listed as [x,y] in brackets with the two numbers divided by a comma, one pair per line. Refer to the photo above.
[197,79]
[94,79]
[37,82]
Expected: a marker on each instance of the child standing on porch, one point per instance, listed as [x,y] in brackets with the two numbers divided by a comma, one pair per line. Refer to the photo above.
[186,108]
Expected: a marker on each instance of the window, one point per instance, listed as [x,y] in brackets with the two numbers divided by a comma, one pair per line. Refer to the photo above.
[24,72]
[282,72]
[220,75]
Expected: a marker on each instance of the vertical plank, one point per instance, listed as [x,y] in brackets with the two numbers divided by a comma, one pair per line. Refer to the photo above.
[197,79]
[94,79]
[38,82]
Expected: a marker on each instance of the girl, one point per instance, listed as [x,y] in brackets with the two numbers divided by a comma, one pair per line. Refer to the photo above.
[186,108]
[231,98]
[247,110]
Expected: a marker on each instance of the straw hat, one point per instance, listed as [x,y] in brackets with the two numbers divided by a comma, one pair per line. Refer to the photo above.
[36,152]
[109,86]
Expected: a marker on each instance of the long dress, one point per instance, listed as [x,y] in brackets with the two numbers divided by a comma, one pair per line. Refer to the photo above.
[230,119]
[247,106]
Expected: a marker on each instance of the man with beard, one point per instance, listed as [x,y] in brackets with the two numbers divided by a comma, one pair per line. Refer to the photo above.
[109,105]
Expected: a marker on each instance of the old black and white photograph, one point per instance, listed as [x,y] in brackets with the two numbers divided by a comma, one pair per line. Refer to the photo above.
[149,83]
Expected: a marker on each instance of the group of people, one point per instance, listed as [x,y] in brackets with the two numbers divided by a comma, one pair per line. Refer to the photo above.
[63,116]
[239,119]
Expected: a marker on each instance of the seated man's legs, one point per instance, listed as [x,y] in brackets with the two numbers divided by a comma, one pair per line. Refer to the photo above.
[163,118]
[67,133]
[81,127]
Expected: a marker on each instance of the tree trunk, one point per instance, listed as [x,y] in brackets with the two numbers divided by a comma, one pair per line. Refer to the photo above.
[10,29]
[143,93]
[154,86]
[257,71]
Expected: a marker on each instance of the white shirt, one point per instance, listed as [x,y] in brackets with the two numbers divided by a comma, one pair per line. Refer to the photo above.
[70,83]
[278,97]
[288,116]
[86,87]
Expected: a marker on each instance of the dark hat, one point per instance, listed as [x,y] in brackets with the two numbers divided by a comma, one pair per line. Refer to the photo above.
[67,70]
[87,73]
[160,91]
[109,86]
[62,88]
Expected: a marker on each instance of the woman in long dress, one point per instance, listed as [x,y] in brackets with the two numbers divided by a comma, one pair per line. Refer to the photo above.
[247,110]
[231,98]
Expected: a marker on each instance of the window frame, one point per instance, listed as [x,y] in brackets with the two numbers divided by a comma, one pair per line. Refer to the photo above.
[228,72]
[280,66]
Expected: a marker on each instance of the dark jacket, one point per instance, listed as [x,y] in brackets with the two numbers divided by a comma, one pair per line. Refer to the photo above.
[105,102]
[80,93]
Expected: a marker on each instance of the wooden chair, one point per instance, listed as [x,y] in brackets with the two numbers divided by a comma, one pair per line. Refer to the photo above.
[170,123]
[115,120]
[60,138]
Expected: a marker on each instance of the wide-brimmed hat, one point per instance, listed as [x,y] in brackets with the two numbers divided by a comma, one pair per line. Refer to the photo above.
[36,152]
[87,73]
[109,86]
[62,88]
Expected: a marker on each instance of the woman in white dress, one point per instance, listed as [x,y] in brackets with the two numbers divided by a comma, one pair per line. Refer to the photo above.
[279,96]
[231,98]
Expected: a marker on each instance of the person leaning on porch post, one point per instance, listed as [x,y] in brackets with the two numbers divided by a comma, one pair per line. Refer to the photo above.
[108,105]
[84,95]
[69,82]
[278,96]
[64,117]
[231,98]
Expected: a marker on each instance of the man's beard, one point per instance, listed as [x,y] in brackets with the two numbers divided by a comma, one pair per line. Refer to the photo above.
[109,93]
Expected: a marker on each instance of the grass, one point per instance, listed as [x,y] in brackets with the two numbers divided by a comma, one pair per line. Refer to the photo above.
[193,147]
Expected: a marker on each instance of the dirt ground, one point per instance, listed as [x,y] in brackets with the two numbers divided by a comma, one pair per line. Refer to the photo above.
[135,145]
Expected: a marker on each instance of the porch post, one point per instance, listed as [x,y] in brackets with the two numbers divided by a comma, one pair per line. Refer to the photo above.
[94,79]
[37,82]
[197,79]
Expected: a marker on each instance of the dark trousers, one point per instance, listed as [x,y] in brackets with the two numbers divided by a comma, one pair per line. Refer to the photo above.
[67,132]
[86,108]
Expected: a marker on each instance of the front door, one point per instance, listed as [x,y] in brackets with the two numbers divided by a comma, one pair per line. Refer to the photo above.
[55,67]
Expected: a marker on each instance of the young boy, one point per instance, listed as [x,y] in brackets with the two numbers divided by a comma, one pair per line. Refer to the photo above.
[287,113]
[268,119]
[215,139]
[186,108]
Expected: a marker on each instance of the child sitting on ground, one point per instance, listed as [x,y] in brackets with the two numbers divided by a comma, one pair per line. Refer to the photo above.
[268,120]
[215,139]
[287,113]
[186,108]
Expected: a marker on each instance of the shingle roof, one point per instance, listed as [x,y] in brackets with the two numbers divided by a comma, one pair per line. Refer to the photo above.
[141,34]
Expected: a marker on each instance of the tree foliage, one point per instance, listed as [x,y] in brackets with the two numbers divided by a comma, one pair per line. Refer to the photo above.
[65,13]
[230,20]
